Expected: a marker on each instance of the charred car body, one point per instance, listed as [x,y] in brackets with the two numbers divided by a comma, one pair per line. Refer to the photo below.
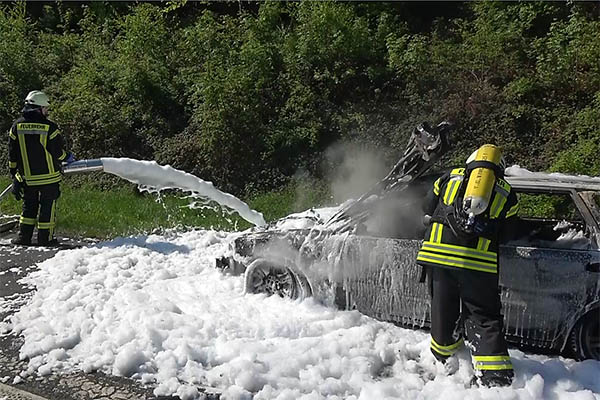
[364,256]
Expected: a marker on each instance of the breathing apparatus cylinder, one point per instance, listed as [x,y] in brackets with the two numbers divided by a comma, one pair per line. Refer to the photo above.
[481,180]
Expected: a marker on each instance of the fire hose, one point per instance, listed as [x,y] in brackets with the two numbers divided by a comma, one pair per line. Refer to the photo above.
[76,167]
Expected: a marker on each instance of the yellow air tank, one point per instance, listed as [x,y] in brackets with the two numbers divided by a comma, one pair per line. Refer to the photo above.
[481,181]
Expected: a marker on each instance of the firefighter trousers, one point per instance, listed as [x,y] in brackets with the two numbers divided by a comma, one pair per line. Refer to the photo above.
[39,208]
[466,304]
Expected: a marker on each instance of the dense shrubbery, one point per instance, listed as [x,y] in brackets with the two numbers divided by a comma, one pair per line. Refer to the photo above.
[246,94]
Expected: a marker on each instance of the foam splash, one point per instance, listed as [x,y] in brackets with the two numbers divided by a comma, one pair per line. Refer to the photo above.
[152,175]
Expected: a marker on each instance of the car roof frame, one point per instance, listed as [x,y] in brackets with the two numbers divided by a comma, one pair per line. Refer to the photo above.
[573,187]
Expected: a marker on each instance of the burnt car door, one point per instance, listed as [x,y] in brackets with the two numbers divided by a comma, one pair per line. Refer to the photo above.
[381,279]
[544,273]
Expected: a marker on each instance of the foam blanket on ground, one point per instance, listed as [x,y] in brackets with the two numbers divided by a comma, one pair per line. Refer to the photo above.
[154,308]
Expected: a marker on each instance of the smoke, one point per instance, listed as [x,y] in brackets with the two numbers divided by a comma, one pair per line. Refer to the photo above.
[353,169]
[304,183]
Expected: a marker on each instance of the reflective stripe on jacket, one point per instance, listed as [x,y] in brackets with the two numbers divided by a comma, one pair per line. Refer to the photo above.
[441,247]
[36,151]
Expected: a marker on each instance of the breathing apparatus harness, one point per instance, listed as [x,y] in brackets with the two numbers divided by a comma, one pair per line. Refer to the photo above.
[468,216]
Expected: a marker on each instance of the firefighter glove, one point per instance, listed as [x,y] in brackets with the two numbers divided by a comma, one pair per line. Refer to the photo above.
[70,158]
[18,188]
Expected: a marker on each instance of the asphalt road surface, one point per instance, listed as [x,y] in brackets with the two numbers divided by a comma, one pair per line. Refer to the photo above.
[15,263]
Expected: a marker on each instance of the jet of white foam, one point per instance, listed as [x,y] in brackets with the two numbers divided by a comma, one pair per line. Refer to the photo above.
[151,174]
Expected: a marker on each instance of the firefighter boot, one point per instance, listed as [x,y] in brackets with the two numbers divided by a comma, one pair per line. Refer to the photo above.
[44,238]
[450,363]
[493,378]
[497,378]
[25,234]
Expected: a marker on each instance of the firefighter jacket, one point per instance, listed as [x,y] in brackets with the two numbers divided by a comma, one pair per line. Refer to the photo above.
[442,247]
[35,150]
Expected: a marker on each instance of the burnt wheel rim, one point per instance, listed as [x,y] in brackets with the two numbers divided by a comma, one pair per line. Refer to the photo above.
[272,280]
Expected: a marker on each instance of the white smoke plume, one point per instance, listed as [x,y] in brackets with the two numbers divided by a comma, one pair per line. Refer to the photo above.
[354,170]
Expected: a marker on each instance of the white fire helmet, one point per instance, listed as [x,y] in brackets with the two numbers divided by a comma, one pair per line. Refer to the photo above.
[37,98]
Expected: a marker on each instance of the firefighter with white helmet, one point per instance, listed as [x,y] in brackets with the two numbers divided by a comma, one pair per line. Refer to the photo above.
[469,208]
[36,155]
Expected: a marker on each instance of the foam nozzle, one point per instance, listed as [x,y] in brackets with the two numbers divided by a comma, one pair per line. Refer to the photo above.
[94,164]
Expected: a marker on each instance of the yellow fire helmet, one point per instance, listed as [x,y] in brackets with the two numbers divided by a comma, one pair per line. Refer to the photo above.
[487,160]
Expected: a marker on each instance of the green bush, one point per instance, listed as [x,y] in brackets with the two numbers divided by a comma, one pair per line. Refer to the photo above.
[247,94]
[18,67]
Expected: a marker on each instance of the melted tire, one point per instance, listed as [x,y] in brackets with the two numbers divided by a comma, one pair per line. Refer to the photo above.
[585,337]
[270,278]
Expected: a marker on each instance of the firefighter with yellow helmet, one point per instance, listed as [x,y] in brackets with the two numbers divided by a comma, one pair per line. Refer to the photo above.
[35,160]
[470,209]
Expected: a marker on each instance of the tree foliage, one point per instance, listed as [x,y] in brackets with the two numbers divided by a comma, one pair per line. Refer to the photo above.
[246,94]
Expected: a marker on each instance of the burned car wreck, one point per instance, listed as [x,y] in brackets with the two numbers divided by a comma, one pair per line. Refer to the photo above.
[363,255]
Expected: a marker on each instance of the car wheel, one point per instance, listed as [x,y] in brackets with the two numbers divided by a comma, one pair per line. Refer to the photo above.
[270,278]
[585,337]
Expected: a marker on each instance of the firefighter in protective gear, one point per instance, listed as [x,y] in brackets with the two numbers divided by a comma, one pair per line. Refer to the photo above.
[35,159]
[471,209]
